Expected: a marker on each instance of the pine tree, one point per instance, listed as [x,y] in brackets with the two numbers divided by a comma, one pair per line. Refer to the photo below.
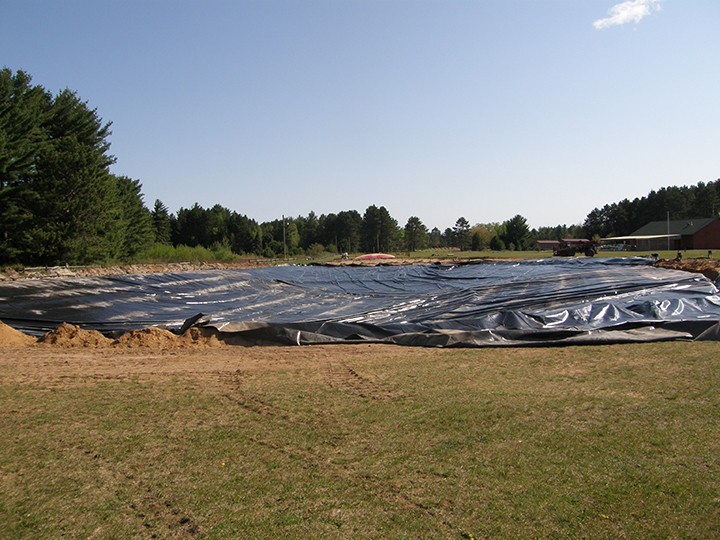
[161,223]
[135,220]
[415,234]
[379,231]
[461,232]
[23,110]
[74,204]
[516,232]
[58,201]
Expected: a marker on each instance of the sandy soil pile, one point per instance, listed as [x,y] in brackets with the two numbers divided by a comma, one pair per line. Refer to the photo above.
[159,338]
[9,337]
[156,338]
[398,261]
[68,335]
[53,272]
[710,268]
[201,338]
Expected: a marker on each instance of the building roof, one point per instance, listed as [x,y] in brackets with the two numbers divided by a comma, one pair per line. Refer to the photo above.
[680,226]
[641,237]
[566,240]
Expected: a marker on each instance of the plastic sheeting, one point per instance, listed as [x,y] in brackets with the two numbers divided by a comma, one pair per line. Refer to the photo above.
[549,301]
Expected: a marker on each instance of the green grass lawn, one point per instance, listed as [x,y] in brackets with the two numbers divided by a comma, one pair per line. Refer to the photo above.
[362,442]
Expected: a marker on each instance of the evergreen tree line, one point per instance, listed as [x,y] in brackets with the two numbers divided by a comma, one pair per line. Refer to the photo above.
[347,231]
[625,217]
[59,203]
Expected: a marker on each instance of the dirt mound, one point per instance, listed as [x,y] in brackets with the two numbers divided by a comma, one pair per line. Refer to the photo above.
[155,338]
[159,338]
[201,338]
[9,337]
[69,335]
[710,268]
[12,274]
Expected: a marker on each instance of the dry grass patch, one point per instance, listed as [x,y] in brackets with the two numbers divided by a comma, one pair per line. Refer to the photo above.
[363,441]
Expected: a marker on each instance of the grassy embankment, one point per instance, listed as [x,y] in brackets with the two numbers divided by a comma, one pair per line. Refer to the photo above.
[430,254]
[362,442]
[185,254]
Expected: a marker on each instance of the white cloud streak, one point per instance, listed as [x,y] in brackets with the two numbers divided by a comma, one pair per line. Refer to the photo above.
[632,11]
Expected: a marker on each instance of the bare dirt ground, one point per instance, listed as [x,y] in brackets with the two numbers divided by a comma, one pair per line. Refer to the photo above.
[710,268]
[11,274]
[70,353]
[70,356]
[57,367]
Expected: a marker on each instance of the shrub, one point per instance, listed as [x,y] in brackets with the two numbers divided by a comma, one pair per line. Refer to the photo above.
[182,253]
[315,250]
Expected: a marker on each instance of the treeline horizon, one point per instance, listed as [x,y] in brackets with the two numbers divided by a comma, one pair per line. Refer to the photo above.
[60,204]
[346,231]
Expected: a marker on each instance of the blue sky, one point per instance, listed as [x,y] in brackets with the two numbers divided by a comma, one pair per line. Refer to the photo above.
[438,109]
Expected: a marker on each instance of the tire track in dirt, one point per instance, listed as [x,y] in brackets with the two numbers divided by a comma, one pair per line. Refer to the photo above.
[318,420]
[380,488]
[157,515]
[239,396]
[346,378]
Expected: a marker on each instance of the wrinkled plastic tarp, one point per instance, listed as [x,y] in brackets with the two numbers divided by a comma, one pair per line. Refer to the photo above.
[548,301]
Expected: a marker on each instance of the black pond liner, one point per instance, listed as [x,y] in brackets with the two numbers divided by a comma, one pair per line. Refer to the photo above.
[541,302]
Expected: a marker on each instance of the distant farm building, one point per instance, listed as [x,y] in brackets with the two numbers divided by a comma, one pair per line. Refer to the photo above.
[552,245]
[696,233]
[547,245]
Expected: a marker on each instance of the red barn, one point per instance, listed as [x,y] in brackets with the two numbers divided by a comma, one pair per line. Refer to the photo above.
[695,233]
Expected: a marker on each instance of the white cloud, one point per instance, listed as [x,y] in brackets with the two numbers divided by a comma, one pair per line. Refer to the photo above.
[632,11]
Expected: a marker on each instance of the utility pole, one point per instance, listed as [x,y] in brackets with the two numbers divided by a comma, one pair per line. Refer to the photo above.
[284,241]
[668,230]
